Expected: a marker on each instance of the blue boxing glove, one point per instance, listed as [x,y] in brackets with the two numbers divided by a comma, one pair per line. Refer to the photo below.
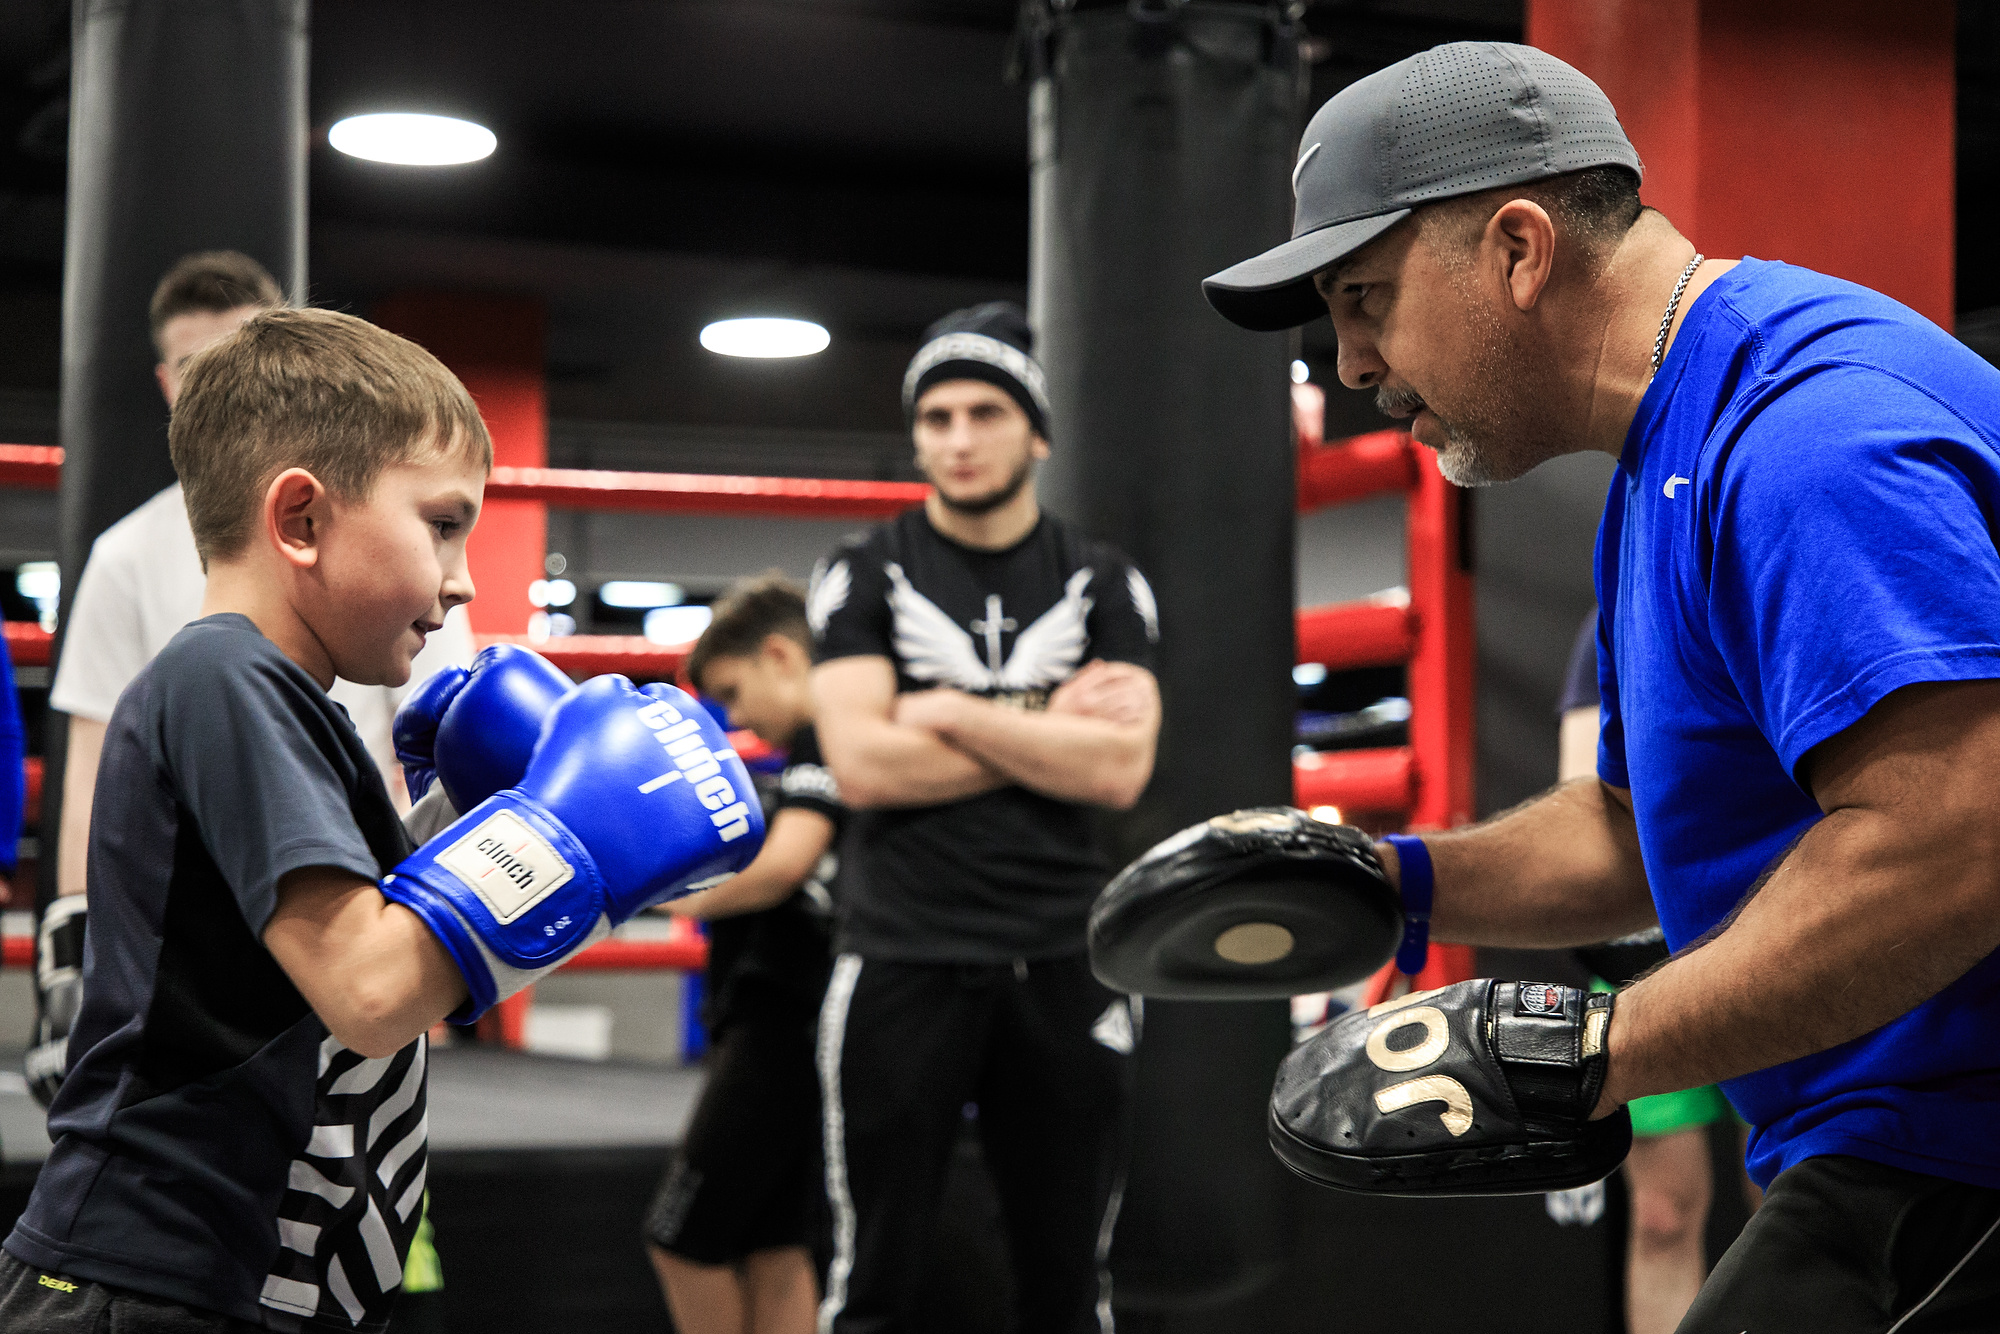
[416,725]
[632,797]
[476,730]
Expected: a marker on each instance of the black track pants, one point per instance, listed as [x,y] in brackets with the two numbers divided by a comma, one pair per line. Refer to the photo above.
[1044,1050]
[1846,1246]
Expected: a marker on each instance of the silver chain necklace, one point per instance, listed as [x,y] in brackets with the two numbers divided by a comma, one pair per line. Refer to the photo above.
[1667,320]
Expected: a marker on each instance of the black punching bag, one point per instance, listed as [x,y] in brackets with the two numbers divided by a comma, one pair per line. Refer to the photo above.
[187,132]
[1162,138]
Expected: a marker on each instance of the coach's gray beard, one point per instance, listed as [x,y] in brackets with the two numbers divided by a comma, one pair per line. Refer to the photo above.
[1476,454]
[1461,459]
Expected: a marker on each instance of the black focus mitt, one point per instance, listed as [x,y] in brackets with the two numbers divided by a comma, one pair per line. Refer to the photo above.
[1480,1088]
[1258,904]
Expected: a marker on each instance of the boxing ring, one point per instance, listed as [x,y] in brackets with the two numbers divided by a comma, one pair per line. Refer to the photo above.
[1424,785]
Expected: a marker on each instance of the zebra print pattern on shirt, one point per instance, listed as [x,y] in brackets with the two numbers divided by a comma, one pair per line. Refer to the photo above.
[353,1201]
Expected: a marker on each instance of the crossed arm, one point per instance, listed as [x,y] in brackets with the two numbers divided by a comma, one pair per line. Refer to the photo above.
[1094,743]
[1890,898]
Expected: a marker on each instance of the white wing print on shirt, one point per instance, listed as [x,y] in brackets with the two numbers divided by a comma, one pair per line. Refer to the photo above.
[1142,601]
[934,649]
[929,642]
[827,593]
[1048,651]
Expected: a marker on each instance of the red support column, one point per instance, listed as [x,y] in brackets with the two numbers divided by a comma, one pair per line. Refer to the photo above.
[1819,132]
[1444,654]
[494,345]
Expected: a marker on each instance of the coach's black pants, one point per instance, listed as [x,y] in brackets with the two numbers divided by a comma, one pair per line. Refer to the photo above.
[1044,1051]
[1843,1244]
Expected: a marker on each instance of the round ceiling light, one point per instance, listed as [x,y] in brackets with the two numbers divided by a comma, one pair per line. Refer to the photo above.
[765,337]
[410,139]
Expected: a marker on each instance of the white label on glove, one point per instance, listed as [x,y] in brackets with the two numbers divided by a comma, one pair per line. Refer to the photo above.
[507,864]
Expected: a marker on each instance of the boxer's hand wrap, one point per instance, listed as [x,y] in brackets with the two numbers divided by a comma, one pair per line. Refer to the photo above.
[1417,880]
[1481,1088]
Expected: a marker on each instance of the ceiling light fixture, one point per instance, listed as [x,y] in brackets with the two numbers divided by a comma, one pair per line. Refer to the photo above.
[411,139]
[765,337]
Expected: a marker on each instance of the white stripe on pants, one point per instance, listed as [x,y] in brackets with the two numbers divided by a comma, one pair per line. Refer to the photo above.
[832,1038]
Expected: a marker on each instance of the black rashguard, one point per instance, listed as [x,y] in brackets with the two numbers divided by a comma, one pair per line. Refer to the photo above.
[781,954]
[1010,874]
[213,1144]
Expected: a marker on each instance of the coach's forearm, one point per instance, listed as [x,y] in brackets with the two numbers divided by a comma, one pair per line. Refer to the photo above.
[1067,756]
[1859,925]
[1560,870]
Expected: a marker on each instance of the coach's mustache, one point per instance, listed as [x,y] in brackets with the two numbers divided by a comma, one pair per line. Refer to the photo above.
[1398,402]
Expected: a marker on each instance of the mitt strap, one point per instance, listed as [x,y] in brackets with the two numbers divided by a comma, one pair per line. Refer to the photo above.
[1415,861]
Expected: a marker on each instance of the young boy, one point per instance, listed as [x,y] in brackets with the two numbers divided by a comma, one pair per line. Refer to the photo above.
[240,1142]
[733,1227]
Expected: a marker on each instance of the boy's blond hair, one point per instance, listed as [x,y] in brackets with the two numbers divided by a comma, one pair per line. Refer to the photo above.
[311,389]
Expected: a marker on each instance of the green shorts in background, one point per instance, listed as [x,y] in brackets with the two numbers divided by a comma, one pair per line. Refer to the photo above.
[421,1270]
[1665,1113]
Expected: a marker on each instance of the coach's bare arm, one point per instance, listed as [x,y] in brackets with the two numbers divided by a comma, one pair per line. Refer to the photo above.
[1560,870]
[1891,898]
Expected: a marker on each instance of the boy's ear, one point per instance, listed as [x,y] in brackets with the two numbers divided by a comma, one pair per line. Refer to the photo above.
[785,650]
[295,513]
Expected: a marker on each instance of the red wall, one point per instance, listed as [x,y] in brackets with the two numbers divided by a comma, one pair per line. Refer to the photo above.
[494,345]
[1820,133]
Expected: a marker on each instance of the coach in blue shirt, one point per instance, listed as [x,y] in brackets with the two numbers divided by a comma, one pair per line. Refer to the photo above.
[1799,766]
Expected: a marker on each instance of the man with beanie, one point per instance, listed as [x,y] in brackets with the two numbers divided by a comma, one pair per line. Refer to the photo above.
[984,680]
[1798,664]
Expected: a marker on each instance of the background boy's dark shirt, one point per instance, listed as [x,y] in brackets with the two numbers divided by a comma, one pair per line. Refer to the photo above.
[1010,874]
[213,1144]
[781,955]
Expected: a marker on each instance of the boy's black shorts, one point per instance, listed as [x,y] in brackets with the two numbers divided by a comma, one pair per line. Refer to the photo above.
[35,1301]
[748,1176]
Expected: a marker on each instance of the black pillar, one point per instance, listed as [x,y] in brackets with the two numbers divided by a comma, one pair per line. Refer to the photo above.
[187,132]
[1162,142]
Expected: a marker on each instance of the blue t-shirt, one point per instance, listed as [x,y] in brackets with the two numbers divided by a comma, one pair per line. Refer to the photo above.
[1802,522]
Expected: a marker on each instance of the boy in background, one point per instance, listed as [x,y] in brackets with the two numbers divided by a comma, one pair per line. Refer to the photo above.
[733,1227]
[240,1142]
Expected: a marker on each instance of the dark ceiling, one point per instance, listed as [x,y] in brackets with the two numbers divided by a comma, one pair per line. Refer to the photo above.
[860,162]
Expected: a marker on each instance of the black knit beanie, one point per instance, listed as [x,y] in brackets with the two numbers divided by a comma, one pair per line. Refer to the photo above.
[992,343]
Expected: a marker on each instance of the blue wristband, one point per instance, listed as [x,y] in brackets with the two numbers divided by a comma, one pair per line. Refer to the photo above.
[1414,860]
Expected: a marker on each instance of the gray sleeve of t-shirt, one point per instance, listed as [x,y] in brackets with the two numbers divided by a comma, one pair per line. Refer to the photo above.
[254,749]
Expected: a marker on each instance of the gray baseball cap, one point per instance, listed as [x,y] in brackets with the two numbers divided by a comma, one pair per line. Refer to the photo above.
[1452,120]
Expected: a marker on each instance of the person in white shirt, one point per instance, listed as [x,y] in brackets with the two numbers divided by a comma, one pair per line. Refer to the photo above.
[142,583]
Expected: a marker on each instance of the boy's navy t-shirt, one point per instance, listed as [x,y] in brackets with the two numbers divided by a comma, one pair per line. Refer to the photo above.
[1803,521]
[213,1144]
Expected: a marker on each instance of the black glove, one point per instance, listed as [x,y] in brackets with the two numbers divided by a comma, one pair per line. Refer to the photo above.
[1262,903]
[1479,1088]
[58,994]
